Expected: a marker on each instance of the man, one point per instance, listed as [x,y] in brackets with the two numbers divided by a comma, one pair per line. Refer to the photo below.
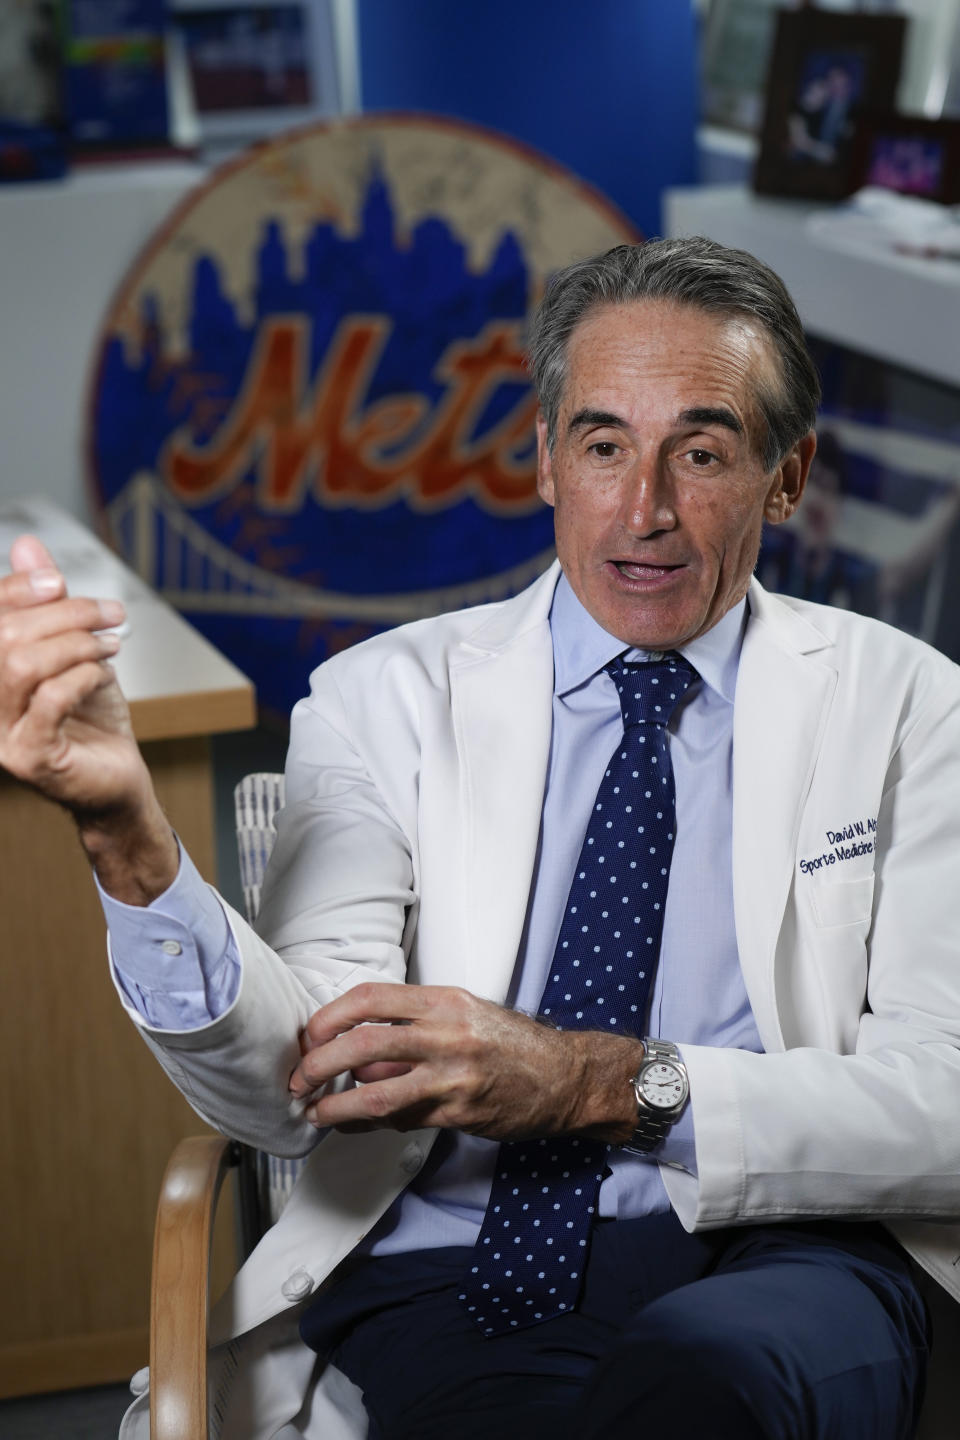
[631,1217]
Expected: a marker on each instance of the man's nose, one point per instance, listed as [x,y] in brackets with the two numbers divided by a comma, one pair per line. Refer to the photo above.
[648,499]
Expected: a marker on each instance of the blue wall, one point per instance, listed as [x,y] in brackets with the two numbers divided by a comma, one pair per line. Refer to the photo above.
[608,87]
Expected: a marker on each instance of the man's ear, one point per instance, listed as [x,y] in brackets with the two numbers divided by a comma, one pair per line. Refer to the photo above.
[789,481]
[544,462]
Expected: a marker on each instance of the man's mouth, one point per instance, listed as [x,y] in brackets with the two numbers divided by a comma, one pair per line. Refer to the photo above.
[643,570]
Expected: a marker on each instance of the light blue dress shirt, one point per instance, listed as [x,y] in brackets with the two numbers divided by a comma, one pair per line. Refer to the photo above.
[178,966]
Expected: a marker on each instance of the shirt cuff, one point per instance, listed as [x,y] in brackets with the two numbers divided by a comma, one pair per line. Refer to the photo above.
[678,1147]
[175,960]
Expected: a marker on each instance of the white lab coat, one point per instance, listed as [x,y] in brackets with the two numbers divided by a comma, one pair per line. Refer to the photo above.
[415,786]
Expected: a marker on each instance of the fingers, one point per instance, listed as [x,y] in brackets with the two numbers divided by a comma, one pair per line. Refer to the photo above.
[43,633]
[64,725]
[382,1023]
[29,553]
[35,582]
[31,587]
[25,669]
[358,1048]
[380,1070]
[59,697]
[26,619]
[374,1002]
[42,684]
[432,1055]
[36,748]
[404,1102]
[35,578]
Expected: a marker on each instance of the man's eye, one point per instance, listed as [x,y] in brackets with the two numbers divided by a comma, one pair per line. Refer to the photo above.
[605,449]
[701,458]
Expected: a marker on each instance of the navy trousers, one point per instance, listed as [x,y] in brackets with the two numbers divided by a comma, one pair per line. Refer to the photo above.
[785,1332]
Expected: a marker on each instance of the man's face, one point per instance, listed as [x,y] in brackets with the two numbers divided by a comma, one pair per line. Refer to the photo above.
[657,486]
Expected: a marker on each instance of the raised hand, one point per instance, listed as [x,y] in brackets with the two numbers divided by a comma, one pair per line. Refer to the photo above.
[65,727]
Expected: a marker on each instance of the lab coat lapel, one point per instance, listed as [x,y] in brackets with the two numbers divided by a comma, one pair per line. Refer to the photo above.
[502,694]
[783,698]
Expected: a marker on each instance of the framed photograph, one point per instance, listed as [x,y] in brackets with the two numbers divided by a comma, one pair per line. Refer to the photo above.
[910,155]
[827,67]
[735,49]
[257,68]
[32,117]
[116,81]
[947,82]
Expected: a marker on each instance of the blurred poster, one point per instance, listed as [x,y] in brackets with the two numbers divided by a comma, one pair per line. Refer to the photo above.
[116,72]
[247,57]
[878,528]
[31,99]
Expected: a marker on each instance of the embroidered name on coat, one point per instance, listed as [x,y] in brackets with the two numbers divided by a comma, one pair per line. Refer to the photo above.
[848,842]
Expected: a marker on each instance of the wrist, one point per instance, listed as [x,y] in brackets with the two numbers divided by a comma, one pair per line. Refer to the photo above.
[132,849]
[606,1106]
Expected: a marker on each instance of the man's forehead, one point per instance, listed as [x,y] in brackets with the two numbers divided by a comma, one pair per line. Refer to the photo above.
[611,336]
[656,318]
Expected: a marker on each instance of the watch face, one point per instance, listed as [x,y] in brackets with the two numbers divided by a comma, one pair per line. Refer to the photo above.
[662,1085]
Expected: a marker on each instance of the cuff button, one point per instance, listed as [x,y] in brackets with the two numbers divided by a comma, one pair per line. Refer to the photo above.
[298,1285]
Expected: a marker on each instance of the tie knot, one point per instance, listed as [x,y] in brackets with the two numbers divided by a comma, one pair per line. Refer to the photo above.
[651,690]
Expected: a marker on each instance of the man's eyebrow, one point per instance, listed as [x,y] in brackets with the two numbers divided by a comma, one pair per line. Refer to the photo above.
[711,415]
[697,415]
[586,417]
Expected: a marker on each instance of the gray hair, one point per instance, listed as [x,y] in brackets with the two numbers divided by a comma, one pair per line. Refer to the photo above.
[696,272]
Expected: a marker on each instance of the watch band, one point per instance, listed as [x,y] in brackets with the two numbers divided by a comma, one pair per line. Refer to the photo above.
[654,1123]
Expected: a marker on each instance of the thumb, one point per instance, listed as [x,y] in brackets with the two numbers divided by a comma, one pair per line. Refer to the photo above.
[27,553]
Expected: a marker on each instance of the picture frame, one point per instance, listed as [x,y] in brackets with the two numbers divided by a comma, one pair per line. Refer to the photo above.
[736,41]
[33,126]
[908,154]
[115,75]
[827,67]
[257,67]
[946,84]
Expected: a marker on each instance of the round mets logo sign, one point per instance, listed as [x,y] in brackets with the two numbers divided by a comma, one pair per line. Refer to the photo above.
[310,417]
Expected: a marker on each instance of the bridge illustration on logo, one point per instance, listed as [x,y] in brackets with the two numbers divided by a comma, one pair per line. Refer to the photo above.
[311,418]
[195,572]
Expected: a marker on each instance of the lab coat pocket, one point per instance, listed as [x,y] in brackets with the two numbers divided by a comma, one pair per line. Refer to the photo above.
[842,902]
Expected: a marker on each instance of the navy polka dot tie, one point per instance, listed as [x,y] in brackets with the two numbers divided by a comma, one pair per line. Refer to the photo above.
[529,1258]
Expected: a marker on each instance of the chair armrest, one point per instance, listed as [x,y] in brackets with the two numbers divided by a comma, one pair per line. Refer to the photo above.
[180,1300]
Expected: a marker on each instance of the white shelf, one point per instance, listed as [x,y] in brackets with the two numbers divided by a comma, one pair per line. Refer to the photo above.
[898,309]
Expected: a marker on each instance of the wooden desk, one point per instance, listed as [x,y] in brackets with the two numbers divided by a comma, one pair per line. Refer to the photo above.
[87,1119]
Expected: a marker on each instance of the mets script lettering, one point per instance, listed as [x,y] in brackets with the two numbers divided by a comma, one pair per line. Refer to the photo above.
[347,450]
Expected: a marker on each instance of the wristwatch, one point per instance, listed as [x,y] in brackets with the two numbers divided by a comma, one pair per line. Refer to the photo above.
[662,1090]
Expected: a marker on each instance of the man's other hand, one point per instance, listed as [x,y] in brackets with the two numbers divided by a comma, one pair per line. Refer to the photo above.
[435,1055]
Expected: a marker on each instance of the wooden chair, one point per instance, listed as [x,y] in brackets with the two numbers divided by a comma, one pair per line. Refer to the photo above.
[180,1301]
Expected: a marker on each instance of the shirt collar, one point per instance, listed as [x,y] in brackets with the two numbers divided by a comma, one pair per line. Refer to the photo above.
[581,647]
